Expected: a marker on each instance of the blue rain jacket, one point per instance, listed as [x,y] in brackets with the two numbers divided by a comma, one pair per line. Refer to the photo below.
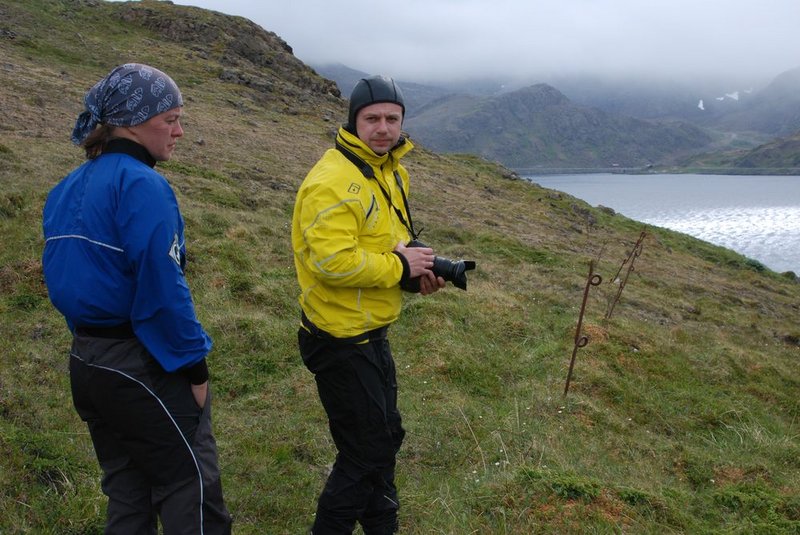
[114,253]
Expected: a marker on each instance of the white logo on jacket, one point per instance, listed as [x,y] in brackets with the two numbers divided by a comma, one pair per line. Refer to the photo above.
[175,250]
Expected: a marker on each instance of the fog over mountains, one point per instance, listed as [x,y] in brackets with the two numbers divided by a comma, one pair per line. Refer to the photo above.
[593,122]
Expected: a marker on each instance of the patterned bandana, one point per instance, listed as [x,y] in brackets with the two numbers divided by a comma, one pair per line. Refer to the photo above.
[130,95]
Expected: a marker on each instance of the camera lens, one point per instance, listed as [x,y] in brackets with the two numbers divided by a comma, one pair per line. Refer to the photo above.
[453,271]
[449,270]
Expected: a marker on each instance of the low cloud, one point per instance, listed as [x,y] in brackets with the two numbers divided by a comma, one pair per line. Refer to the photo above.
[437,40]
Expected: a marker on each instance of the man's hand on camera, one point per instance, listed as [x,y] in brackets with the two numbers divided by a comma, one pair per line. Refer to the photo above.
[420,260]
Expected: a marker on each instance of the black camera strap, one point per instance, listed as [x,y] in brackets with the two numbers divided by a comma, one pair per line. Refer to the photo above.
[369,173]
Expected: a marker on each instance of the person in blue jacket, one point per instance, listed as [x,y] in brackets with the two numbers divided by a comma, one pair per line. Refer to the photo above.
[114,260]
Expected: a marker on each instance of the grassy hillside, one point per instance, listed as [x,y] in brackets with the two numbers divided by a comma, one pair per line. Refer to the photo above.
[682,415]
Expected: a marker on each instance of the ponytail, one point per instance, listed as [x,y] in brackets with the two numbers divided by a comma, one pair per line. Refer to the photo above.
[95,143]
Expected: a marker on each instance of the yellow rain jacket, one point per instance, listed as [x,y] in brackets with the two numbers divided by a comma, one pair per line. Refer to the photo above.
[344,229]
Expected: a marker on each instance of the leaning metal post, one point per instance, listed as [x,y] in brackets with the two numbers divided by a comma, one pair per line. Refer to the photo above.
[632,256]
[581,340]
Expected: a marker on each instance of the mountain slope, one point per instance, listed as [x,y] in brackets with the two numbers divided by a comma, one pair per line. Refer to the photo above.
[775,110]
[682,411]
[781,156]
[539,127]
[725,118]
[781,153]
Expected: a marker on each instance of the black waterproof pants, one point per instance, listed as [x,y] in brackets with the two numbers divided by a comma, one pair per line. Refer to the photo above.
[357,384]
[153,442]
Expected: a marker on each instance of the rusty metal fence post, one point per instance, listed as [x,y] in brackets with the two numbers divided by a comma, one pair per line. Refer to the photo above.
[632,256]
[580,340]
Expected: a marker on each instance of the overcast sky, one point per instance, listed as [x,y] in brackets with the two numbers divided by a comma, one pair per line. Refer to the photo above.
[437,40]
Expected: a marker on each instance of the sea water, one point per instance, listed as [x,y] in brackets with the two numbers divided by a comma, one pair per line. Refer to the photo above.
[756,216]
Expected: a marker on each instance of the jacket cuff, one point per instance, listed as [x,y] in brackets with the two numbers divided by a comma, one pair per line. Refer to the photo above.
[406,269]
[407,284]
[198,373]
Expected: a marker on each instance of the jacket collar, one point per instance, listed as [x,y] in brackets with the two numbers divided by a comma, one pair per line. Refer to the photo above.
[352,143]
[122,145]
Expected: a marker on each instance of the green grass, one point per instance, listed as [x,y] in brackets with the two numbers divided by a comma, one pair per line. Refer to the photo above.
[682,415]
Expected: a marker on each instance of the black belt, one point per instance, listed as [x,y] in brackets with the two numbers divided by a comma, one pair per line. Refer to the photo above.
[369,336]
[117,331]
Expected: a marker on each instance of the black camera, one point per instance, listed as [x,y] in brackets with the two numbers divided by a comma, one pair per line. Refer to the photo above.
[450,270]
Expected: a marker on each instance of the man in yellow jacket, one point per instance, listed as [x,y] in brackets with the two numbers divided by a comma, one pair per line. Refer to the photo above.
[350,228]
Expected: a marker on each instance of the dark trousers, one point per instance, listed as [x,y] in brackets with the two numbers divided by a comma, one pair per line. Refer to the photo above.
[153,442]
[357,384]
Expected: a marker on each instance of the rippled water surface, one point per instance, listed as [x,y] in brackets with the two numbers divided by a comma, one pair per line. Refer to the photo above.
[757,216]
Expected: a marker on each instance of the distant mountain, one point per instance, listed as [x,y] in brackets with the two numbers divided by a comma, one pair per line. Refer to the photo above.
[775,110]
[416,95]
[345,77]
[538,126]
[648,98]
[596,122]
[770,107]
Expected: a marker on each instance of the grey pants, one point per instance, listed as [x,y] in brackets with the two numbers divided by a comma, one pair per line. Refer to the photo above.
[153,442]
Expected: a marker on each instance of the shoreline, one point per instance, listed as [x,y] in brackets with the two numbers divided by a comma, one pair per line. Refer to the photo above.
[649,170]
